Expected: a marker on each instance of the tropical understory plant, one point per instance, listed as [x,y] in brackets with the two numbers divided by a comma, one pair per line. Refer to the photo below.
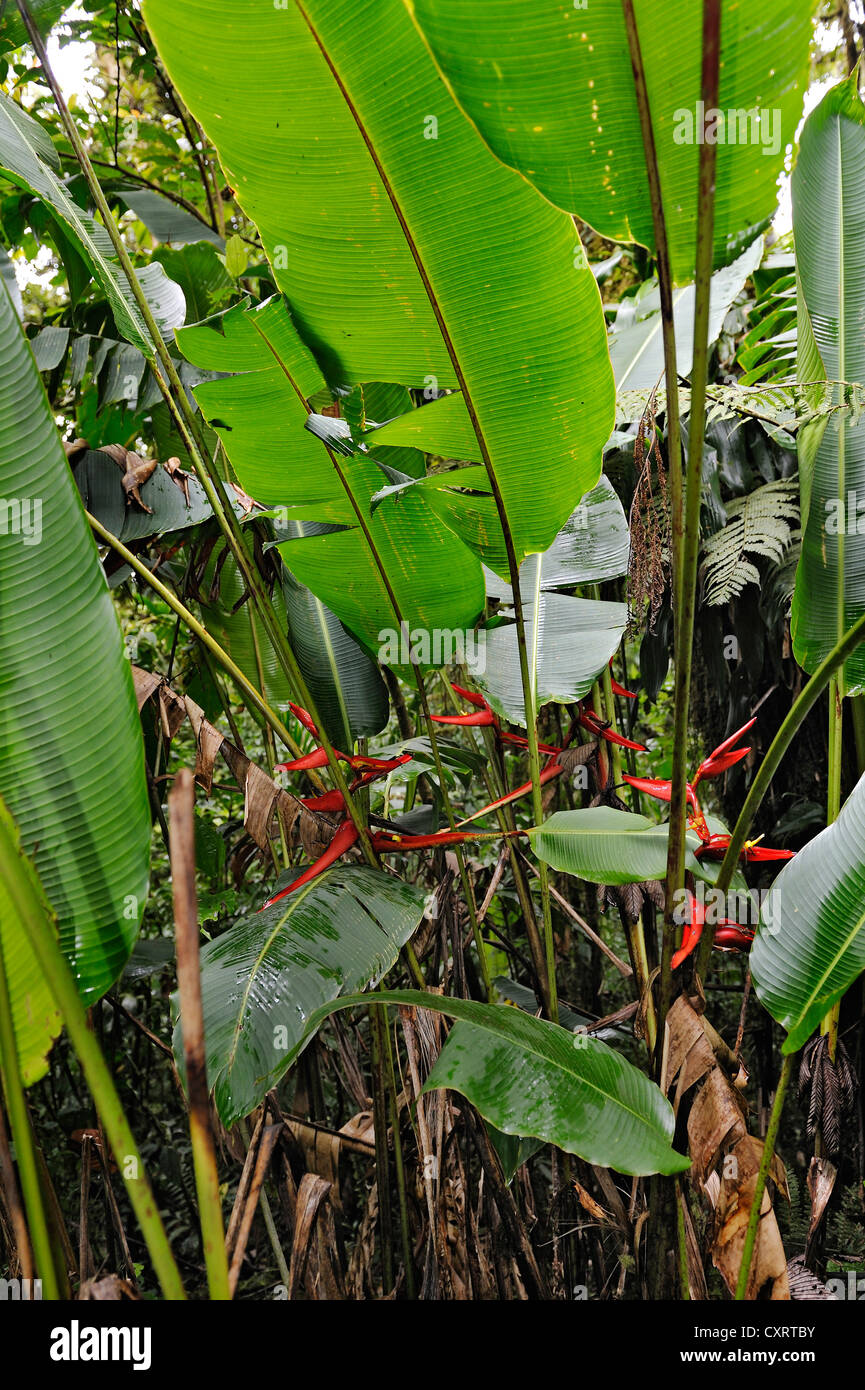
[424,384]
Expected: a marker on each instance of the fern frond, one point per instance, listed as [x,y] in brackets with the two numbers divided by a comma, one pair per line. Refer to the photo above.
[758,526]
[783,406]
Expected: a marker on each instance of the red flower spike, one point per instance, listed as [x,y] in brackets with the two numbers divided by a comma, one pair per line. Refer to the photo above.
[620,689]
[734,738]
[342,841]
[713,767]
[660,788]
[522,742]
[728,936]
[477,720]
[471,696]
[380,771]
[692,932]
[384,842]
[548,773]
[753,854]
[328,801]
[317,758]
[733,938]
[377,765]
[304,717]
[590,721]
[715,847]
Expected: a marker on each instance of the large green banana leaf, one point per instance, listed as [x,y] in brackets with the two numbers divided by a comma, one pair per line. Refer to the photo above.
[828,191]
[350,694]
[379,400]
[583,1097]
[236,624]
[810,946]
[636,339]
[569,641]
[263,979]
[407,252]
[71,754]
[593,545]
[29,159]
[12,31]
[441,427]
[532,1077]
[347,685]
[606,845]
[260,414]
[36,1017]
[7,275]
[550,87]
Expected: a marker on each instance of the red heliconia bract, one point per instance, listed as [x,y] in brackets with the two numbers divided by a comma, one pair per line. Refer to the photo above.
[659,787]
[479,719]
[305,718]
[343,840]
[596,726]
[470,695]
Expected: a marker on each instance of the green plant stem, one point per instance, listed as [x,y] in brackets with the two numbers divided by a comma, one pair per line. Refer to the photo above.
[399,1165]
[829,1023]
[255,698]
[377,1024]
[685,1288]
[836,726]
[22,1134]
[34,916]
[181,808]
[762,1174]
[685,595]
[615,752]
[665,290]
[422,694]
[796,715]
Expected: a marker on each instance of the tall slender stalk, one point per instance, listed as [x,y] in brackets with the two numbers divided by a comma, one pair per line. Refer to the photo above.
[14,1203]
[685,596]
[829,1024]
[20,881]
[181,809]
[399,1164]
[377,1025]
[22,1135]
[665,290]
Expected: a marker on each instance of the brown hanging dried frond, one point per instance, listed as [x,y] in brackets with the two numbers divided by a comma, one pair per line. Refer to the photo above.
[262,797]
[828,1089]
[649,523]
